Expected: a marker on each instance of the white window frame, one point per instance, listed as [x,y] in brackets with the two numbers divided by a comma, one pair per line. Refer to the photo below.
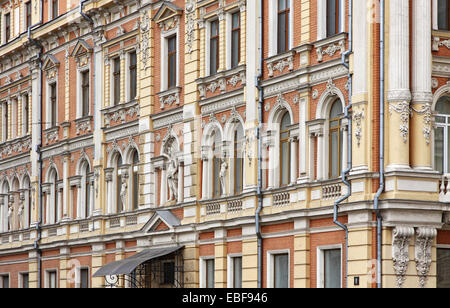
[128,75]
[322,18]
[228,37]
[208,43]
[50,8]
[47,277]
[203,270]
[321,264]
[14,117]
[78,276]
[273,26]
[271,266]
[48,103]
[80,71]
[24,114]
[1,279]
[230,268]
[112,97]
[164,57]
[20,279]
[4,123]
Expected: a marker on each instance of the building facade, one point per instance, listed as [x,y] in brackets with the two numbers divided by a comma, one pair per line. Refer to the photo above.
[225,143]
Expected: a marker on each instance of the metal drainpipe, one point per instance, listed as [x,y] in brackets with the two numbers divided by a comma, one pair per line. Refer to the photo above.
[258,134]
[38,151]
[349,141]
[381,187]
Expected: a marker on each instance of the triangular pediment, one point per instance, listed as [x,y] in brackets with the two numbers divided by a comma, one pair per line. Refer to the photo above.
[167,11]
[81,48]
[160,221]
[50,62]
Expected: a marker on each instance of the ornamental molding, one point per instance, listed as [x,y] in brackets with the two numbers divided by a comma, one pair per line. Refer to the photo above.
[280,63]
[220,80]
[222,105]
[190,25]
[399,95]
[424,241]
[404,110]
[427,121]
[15,146]
[401,237]
[145,41]
[358,116]
[330,50]
[118,113]
[169,97]
[437,43]
[168,120]
[83,125]
[51,135]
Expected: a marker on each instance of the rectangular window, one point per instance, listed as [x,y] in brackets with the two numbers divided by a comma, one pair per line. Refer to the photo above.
[209,275]
[116,81]
[55,9]
[283,25]
[85,93]
[333,17]
[26,114]
[443,14]
[84,278]
[52,280]
[214,48]
[7,27]
[5,121]
[24,277]
[443,268]
[332,268]
[169,273]
[133,75]
[235,39]
[4,280]
[172,61]
[281,270]
[27,15]
[53,105]
[237,272]
[15,122]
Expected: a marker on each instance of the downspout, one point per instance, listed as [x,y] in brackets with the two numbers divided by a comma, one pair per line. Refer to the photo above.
[349,140]
[39,152]
[83,14]
[381,187]
[258,137]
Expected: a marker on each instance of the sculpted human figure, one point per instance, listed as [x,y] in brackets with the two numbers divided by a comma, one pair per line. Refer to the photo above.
[123,193]
[172,177]
[223,174]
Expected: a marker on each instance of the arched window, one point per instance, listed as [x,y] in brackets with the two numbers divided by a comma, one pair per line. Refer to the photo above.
[441,135]
[238,159]
[55,197]
[135,180]
[118,177]
[87,191]
[335,139]
[27,203]
[4,207]
[285,151]
[217,190]
[52,206]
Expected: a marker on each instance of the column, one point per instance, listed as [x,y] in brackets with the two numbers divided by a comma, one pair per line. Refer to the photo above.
[399,95]
[421,125]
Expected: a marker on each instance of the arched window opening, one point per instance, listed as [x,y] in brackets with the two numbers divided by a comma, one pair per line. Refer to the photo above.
[217,161]
[120,189]
[238,159]
[441,135]
[335,139]
[285,151]
[135,180]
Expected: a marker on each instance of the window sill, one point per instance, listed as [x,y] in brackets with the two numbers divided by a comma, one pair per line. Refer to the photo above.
[169,97]
[221,79]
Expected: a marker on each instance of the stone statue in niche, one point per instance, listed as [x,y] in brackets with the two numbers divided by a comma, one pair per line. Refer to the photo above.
[10,217]
[172,176]
[223,174]
[20,211]
[123,193]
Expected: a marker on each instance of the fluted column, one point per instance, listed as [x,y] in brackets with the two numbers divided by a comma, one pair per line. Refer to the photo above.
[399,94]
[421,86]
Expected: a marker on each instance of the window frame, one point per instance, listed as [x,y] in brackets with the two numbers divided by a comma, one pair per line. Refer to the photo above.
[85,105]
[172,80]
[271,266]
[48,273]
[320,264]
[437,27]
[286,13]
[21,280]
[7,19]
[78,281]
[282,142]
[236,153]
[54,7]
[204,270]
[2,277]
[210,40]
[28,15]
[116,90]
[232,43]
[132,75]
[273,27]
[53,104]
[440,247]
[341,139]
[231,269]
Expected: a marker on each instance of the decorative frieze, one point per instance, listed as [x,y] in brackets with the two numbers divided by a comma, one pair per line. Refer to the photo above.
[51,135]
[427,120]
[358,116]
[220,80]
[118,113]
[83,125]
[280,63]
[405,112]
[330,50]
[401,237]
[169,98]
[15,146]
[190,25]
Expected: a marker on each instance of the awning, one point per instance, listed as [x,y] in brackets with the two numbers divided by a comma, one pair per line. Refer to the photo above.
[128,265]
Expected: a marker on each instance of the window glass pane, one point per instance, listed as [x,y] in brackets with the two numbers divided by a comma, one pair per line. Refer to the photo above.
[169,273]
[25,281]
[443,105]
[282,32]
[439,149]
[5,282]
[331,17]
[133,75]
[285,163]
[336,110]
[213,56]
[237,272]
[334,153]
[281,5]
[210,273]
[235,38]
[443,17]
[281,271]
[332,268]
[443,268]
[84,278]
